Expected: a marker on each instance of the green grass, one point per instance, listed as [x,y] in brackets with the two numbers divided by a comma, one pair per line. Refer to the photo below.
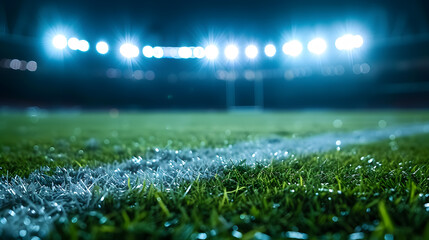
[66,139]
[330,195]
[378,189]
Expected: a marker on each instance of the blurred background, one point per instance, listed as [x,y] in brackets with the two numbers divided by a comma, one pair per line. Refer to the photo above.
[214,54]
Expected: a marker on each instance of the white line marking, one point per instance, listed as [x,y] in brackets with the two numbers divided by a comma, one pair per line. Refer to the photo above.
[29,206]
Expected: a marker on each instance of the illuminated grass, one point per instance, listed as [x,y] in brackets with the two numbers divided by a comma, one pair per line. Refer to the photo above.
[38,139]
[359,192]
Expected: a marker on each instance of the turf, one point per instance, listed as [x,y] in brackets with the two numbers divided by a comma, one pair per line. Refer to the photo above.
[42,139]
[377,191]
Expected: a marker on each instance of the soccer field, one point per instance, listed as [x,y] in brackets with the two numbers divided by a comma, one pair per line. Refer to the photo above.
[245,175]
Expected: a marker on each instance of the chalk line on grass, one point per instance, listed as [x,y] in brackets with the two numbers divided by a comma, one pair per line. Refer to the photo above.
[30,206]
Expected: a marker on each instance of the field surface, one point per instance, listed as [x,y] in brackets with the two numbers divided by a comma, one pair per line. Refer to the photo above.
[297,175]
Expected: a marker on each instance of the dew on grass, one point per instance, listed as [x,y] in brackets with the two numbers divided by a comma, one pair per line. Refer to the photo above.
[388,237]
[357,236]
[237,234]
[261,236]
[103,220]
[23,233]
[202,236]
[167,170]
[295,235]
[12,213]
[27,221]
[74,220]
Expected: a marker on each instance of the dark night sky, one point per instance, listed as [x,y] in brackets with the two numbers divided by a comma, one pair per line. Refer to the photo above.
[170,21]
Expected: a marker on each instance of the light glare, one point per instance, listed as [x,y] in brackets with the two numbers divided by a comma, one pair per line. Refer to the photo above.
[270,50]
[251,51]
[231,52]
[292,48]
[198,52]
[349,42]
[212,52]
[148,51]
[158,52]
[185,52]
[73,43]
[102,47]
[129,50]
[83,45]
[59,41]
[317,46]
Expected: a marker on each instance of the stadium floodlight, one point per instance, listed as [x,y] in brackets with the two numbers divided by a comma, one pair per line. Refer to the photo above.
[158,52]
[270,50]
[211,52]
[129,50]
[185,52]
[358,41]
[317,46]
[231,52]
[59,41]
[198,52]
[349,42]
[292,48]
[73,43]
[147,51]
[251,51]
[83,45]
[102,47]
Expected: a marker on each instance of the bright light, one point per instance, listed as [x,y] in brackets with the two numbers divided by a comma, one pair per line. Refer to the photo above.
[102,47]
[129,50]
[270,50]
[317,46]
[148,51]
[198,52]
[59,41]
[349,42]
[83,45]
[185,52]
[292,48]
[231,52]
[251,51]
[358,41]
[212,52]
[73,43]
[158,52]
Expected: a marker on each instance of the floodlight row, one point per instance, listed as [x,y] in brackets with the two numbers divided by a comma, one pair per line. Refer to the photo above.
[292,48]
